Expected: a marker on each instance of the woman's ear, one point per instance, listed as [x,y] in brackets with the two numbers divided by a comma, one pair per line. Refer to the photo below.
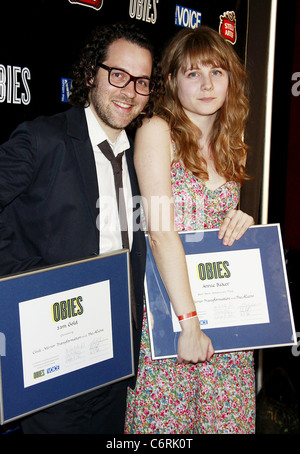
[170,80]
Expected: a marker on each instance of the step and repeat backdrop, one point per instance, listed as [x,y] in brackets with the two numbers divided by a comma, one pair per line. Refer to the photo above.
[40,41]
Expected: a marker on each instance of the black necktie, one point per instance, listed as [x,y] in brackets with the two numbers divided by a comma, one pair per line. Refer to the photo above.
[116,162]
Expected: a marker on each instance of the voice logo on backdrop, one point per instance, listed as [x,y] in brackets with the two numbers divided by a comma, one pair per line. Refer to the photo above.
[186,17]
[14,88]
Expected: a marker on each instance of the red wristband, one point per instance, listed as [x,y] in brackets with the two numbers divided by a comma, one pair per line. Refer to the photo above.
[186,316]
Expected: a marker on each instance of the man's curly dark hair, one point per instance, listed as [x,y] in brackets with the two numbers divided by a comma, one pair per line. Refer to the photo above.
[95,52]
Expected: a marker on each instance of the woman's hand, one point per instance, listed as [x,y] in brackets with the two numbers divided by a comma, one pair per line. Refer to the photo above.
[235,224]
[193,345]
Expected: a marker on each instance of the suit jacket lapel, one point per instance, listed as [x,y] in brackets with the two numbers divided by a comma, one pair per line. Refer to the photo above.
[84,155]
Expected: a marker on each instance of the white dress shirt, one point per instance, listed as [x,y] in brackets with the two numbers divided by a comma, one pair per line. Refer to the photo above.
[108,220]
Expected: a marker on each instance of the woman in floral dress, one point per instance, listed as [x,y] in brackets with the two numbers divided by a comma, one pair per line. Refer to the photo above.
[198,134]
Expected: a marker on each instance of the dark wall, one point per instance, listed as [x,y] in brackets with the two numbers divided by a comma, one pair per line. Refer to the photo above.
[284,121]
[285,186]
[40,41]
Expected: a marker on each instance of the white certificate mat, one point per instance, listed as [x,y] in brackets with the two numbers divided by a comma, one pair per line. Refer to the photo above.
[222,295]
[241,293]
[73,331]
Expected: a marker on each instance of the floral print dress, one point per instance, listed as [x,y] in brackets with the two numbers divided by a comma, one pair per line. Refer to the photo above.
[215,397]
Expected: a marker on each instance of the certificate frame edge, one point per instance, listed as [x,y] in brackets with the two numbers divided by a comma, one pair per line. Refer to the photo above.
[286,283]
[62,265]
[1,399]
[149,322]
[23,415]
[258,347]
[3,420]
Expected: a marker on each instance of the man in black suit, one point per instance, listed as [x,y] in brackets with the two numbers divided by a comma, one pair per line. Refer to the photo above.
[55,191]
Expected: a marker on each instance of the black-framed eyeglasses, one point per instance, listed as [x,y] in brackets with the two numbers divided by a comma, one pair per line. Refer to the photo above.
[120,79]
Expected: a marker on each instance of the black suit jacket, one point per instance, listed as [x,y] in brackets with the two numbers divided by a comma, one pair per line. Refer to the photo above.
[48,199]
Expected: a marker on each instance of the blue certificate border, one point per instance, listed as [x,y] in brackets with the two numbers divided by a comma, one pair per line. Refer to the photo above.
[279,332]
[17,401]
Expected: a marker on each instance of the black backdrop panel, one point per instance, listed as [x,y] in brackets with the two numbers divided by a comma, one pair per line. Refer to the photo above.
[40,41]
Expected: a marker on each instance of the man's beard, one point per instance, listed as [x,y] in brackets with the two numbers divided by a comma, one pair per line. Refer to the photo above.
[108,117]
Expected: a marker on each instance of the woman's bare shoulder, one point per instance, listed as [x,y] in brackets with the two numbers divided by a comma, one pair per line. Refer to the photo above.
[155,123]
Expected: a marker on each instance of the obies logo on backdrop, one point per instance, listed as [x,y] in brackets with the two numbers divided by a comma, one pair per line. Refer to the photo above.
[145,10]
[14,88]
[227,26]
[188,18]
[95,4]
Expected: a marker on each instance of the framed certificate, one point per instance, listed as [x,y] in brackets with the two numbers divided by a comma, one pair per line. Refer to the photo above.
[66,330]
[241,293]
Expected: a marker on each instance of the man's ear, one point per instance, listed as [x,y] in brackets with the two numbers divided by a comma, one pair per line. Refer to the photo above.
[89,79]
[90,83]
